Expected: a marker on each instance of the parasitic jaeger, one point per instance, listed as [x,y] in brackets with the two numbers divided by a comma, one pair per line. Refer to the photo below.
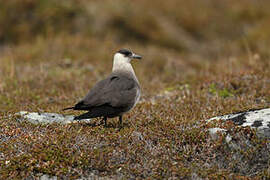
[115,95]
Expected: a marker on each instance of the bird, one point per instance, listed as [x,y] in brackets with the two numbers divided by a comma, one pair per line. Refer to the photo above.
[114,95]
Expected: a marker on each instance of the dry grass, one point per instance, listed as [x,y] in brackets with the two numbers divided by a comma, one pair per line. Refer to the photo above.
[201,59]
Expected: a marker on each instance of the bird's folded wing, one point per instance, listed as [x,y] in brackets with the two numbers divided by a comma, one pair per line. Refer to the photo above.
[116,91]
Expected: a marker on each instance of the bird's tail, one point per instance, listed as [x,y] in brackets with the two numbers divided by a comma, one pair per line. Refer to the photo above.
[84,116]
[68,108]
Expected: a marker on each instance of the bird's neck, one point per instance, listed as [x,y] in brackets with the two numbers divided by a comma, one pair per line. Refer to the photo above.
[124,67]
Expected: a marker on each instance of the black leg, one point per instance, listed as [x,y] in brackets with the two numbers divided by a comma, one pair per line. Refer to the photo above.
[120,121]
[105,121]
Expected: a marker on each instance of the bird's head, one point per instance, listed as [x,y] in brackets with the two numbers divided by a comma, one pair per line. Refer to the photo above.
[125,55]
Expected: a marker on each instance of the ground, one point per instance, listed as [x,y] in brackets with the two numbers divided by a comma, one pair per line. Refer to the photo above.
[200,59]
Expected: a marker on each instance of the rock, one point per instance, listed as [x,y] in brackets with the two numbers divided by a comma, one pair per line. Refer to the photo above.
[259,119]
[46,118]
[239,149]
[214,132]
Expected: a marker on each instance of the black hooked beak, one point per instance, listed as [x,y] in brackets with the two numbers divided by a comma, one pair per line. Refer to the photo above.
[135,56]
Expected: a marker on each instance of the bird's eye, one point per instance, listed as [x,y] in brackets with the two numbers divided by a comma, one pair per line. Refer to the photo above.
[128,54]
[125,52]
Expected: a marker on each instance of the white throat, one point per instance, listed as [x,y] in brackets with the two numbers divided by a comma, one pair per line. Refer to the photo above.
[121,63]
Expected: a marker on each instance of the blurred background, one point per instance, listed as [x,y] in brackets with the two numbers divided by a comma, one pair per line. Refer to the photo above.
[68,45]
[202,26]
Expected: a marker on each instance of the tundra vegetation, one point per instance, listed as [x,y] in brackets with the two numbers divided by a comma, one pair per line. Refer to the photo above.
[200,59]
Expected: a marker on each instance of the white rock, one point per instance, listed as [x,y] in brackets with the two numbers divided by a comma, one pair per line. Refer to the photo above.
[214,132]
[259,119]
[47,118]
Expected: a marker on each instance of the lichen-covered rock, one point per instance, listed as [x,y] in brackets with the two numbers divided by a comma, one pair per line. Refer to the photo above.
[46,118]
[214,132]
[237,145]
[259,119]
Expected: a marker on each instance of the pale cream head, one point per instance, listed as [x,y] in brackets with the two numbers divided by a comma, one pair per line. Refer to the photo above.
[122,59]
